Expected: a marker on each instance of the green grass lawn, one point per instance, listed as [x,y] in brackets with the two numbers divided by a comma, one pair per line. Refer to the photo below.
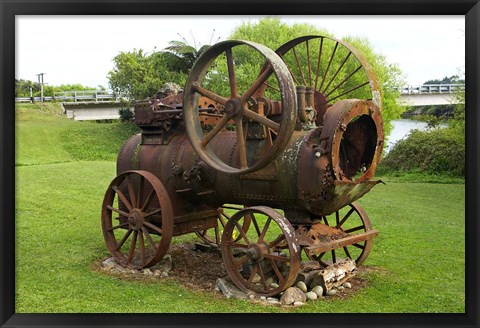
[417,263]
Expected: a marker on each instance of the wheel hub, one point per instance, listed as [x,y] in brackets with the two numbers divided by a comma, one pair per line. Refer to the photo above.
[233,107]
[135,220]
[255,252]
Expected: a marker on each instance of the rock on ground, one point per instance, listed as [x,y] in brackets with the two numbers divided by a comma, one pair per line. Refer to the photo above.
[229,290]
[292,295]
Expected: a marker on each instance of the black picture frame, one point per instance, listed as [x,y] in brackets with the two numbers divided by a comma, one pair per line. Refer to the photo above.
[10,8]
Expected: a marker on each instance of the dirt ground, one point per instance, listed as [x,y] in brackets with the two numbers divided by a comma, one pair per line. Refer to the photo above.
[198,268]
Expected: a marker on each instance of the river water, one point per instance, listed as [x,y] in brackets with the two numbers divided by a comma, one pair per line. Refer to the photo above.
[401,129]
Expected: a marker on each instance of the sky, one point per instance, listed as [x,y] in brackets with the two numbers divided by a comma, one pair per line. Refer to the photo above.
[80,49]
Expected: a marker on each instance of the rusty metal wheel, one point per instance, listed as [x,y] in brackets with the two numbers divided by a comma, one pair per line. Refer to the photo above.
[265,260]
[332,69]
[213,236]
[350,219]
[140,235]
[218,75]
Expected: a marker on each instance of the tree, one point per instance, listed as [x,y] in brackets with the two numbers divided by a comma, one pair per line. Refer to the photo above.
[181,56]
[137,75]
[454,79]
[272,32]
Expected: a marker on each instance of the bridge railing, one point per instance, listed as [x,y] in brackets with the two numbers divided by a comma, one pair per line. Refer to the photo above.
[432,88]
[75,96]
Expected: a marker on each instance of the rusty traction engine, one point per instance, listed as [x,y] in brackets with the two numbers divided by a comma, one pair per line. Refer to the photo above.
[268,170]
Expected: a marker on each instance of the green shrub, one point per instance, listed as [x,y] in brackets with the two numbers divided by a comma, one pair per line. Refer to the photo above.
[126,114]
[438,151]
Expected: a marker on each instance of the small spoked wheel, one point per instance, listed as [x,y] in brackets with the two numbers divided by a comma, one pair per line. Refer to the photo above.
[213,236]
[266,259]
[351,219]
[137,219]
[219,76]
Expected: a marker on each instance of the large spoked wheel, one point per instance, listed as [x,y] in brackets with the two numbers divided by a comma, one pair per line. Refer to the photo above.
[213,236]
[351,219]
[266,260]
[137,219]
[331,69]
[220,75]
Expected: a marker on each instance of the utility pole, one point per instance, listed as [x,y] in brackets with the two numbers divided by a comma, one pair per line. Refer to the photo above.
[40,81]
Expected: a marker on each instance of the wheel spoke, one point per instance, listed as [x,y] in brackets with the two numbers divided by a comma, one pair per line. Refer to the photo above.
[277,240]
[209,94]
[149,238]
[257,84]
[217,235]
[222,221]
[217,128]
[242,147]
[262,276]
[148,200]
[141,243]
[140,191]
[359,246]
[276,257]
[158,210]
[152,226]
[252,275]
[264,231]
[328,66]
[299,66]
[124,239]
[231,73]
[345,249]
[318,63]
[233,244]
[326,221]
[309,65]
[272,87]
[122,197]
[111,208]
[132,247]
[336,73]
[237,264]
[131,193]
[355,229]
[348,91]
[345,218]
[242,233]
[262,120]
[334,258]
[343,81]
[277,271]
[118,226]
[257,229]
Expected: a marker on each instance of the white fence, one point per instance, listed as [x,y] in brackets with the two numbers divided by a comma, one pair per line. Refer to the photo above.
[75,96]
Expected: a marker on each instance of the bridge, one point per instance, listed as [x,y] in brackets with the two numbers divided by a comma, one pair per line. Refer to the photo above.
[430,94]
[104,105]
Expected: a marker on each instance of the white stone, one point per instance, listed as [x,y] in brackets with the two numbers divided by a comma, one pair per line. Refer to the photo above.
[347,285]
[302,286]
[298,303]
[331,292]
[263,298]
[164,274]
[109,263]
[311,296]
[318,290]
[147,272]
